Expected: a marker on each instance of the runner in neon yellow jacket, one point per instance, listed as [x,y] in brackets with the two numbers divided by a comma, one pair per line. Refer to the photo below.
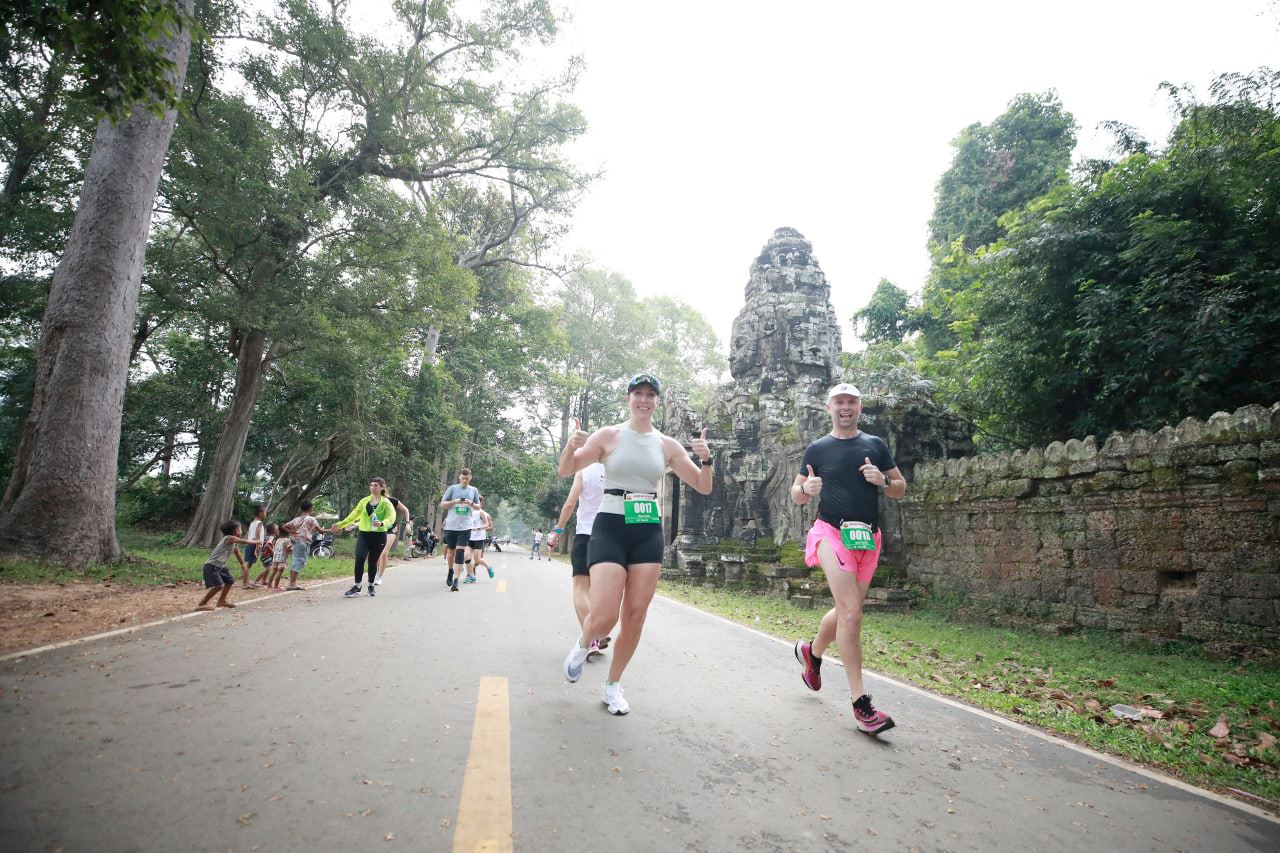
[374,519]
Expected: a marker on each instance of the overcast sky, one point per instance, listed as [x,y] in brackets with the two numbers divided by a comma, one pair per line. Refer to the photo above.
[717,122]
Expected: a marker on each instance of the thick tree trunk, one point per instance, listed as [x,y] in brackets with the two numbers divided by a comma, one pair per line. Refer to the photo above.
[64,473]
[219,496]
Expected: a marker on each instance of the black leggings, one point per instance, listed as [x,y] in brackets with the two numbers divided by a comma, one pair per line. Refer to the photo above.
[369,546]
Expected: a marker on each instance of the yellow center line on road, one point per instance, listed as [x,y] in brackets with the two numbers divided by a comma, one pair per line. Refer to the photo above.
[502,586]
[484,810]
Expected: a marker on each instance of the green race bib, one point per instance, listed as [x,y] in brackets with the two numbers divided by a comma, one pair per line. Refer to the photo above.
[462,509]
[856,536]
[640,509]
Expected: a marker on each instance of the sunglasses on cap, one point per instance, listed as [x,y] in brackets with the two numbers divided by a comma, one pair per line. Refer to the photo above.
[645,379]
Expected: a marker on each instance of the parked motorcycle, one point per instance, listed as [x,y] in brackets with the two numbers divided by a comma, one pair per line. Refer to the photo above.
[322,545]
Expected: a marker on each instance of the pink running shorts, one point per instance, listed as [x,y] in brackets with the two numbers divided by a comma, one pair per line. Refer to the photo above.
[861,562]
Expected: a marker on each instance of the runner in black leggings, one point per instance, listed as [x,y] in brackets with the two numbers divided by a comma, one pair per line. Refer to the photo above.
[375,515]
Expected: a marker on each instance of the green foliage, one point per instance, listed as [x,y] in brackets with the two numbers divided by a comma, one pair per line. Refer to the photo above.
[1135,295]
[110,45]
[1000,167]
[885,319]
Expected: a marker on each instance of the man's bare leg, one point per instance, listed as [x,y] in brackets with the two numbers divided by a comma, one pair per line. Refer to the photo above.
[843,623]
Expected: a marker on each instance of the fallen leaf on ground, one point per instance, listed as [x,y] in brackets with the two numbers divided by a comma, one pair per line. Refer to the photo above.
[1152,713]
[390,836]
[1221,730]
[1266,741]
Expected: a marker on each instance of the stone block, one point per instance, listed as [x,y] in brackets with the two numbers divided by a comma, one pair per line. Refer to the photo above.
[1234,452]
[804,602]
[1091,618]
[1139,464]
[1167,478]
[1251,611]
[1265,586]
[1269,454]
[1140,582]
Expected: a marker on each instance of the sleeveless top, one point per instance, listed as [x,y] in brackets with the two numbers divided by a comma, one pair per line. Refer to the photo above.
[635,465]
[593,478]
[478,528]
[221,552]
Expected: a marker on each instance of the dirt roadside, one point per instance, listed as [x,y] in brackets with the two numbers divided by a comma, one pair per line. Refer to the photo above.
[34,615]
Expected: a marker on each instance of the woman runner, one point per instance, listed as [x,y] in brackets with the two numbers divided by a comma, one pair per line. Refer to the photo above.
[375,515]
[624,555]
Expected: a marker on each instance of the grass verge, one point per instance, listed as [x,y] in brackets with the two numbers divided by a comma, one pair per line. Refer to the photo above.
[1212,723]
[153,559]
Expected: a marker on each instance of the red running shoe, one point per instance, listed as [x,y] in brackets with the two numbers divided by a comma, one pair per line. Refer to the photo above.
[812,675]
[868,719]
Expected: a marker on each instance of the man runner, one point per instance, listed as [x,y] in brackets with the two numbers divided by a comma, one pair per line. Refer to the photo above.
[536,551]
[847,468]
[459,502]
[587,494]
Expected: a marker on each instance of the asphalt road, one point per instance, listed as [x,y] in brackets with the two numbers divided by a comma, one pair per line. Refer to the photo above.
[429,720]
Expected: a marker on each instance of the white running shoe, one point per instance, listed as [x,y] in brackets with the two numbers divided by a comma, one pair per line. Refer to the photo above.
[573,663]
[612,697]
[378,582]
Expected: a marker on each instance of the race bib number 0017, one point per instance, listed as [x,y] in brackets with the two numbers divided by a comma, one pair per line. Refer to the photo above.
[640,509]
[856,536]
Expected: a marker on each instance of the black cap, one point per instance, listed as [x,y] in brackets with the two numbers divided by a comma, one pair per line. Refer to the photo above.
[645,379]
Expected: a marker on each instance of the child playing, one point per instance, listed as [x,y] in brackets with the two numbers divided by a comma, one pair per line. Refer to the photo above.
[301,531]
[284,548]
[273,567]
[254,551]
[216,575]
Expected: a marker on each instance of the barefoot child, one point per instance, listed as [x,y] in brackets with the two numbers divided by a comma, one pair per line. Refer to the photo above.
[216,576]
[269,561]
[253,552]
[301,530]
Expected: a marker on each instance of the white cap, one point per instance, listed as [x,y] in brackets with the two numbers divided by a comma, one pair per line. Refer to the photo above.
[844,388]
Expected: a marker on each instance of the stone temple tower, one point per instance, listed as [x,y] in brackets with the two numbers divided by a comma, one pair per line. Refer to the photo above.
[781,354]
[787,332]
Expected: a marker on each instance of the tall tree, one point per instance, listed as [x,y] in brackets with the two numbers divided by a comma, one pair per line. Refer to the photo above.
[886,318]
[327,116]
[1139,293]
[65,468]
[997,168]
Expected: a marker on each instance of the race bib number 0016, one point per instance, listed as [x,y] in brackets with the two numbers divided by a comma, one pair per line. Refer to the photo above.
[856,536]
[640,509]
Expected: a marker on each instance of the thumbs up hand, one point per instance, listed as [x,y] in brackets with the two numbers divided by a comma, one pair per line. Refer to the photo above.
[699,446]
[871,473]
[577,437]
[812,485]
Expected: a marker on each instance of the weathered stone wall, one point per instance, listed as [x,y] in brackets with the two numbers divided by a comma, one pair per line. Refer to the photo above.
[1176,533]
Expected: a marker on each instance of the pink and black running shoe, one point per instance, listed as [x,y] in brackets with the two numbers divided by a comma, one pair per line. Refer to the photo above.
[812,675]
[868,719]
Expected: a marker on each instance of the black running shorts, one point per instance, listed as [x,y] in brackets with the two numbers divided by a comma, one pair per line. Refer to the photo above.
[457,538]
[615,541]
[578,557]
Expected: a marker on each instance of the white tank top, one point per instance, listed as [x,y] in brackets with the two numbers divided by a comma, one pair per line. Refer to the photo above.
[635,465]
[589,501]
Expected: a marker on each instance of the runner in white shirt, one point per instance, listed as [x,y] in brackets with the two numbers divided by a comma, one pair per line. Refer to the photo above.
[479,537]
[587,494]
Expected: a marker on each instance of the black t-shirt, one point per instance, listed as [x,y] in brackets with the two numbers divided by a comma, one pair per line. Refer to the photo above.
[846,494]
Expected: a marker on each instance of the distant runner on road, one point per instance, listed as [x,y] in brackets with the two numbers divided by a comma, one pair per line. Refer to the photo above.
[536,551]
[479,537]
[624,555]
[846,468]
